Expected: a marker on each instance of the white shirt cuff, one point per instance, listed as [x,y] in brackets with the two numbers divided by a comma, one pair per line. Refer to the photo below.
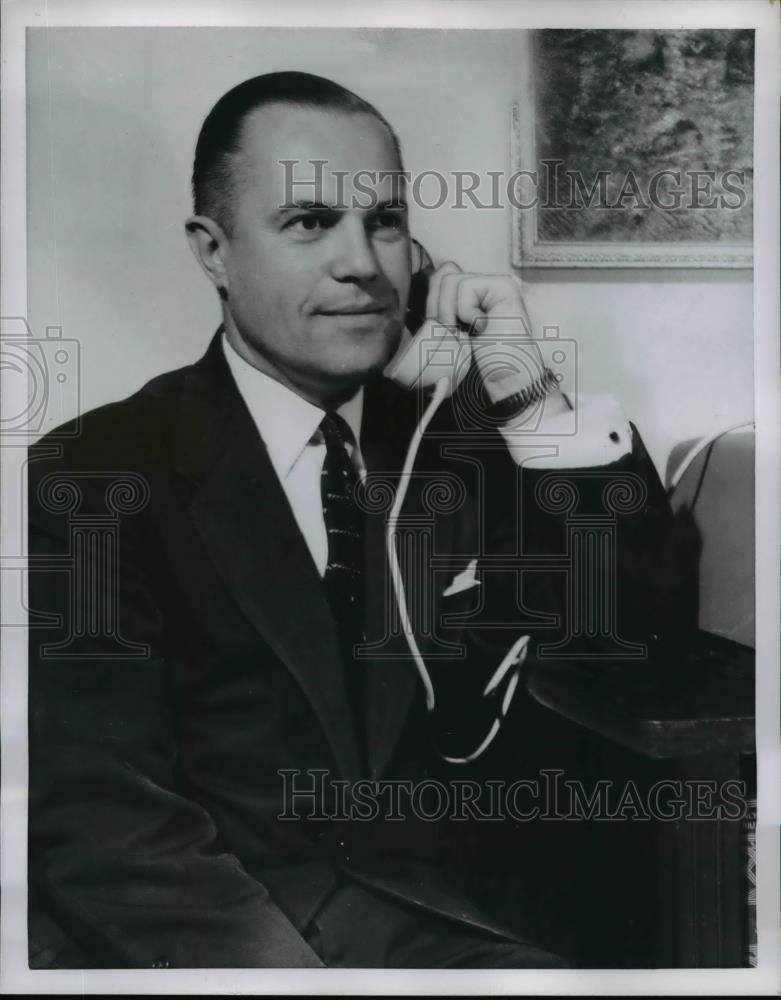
[596,432]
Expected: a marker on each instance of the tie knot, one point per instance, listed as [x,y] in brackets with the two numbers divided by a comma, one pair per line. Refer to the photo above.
[336,430]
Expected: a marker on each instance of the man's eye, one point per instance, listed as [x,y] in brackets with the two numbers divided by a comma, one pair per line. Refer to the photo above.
[309,223]
[388,220]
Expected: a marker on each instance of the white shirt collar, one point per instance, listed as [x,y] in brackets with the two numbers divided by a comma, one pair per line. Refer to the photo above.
[286,422]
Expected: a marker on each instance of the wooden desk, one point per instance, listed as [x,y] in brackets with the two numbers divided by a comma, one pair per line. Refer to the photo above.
[662,893]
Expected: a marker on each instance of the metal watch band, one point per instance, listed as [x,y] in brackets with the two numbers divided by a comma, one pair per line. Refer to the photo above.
[514,405]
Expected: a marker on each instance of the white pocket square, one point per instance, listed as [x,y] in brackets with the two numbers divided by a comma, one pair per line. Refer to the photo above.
[463,580]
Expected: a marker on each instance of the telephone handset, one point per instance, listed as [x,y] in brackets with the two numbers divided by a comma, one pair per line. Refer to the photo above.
[429,352]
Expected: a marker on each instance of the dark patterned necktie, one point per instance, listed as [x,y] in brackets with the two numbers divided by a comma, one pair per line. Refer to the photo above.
[343,578]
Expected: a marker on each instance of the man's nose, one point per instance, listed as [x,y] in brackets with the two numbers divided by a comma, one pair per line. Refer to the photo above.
[354,257]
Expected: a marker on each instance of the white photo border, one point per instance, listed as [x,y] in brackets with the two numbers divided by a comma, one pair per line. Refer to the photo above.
[15,977]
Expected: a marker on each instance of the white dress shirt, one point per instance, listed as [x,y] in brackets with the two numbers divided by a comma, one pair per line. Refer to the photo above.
[290,429]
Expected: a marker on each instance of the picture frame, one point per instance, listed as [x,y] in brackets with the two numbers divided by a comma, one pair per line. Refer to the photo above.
[560,220]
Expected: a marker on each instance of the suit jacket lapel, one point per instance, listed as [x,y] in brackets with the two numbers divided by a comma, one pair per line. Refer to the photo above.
[243,516]
[245,520]
[392,679]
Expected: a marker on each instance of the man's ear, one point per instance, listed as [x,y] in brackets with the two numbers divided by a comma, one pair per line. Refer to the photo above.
[209,243]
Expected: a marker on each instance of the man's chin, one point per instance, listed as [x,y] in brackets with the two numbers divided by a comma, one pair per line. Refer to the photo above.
[341,383]
[354,375]
[372,353]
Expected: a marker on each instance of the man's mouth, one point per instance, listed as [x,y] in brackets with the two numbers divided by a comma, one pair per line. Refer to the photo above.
[370,309]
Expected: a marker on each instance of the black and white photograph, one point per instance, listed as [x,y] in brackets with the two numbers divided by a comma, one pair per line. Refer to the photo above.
[390,498]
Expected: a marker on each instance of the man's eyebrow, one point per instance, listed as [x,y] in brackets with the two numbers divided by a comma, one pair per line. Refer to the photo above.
[303,205]
[391,204]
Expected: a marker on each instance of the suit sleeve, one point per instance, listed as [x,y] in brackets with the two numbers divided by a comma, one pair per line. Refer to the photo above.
[124,870]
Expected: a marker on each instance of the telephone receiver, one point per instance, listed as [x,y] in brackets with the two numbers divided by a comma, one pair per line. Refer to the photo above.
[428,351]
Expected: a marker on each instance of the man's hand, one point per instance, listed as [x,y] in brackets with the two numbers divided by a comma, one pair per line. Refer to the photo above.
[491,308]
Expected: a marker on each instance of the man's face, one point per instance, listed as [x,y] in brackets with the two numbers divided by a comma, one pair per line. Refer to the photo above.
[317,296]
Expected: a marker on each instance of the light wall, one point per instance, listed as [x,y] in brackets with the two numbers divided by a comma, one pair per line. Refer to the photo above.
[113,116]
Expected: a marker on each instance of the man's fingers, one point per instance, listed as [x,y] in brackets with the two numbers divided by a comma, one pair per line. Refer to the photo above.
[470,300]
[470,310]
[447,308]
[435,282]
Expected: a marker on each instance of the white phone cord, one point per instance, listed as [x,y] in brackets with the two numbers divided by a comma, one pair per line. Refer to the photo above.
[515,656]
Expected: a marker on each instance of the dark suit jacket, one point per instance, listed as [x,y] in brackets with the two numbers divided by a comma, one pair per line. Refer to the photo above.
[182,653]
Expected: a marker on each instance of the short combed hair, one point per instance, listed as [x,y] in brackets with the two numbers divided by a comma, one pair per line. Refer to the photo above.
[219,142]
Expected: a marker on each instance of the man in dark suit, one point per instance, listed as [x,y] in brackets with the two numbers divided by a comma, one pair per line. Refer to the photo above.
[212,623]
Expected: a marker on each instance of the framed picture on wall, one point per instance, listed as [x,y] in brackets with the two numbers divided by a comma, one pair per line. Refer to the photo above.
[633,148]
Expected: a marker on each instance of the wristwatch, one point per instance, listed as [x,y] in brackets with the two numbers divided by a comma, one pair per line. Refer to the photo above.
[515,404]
